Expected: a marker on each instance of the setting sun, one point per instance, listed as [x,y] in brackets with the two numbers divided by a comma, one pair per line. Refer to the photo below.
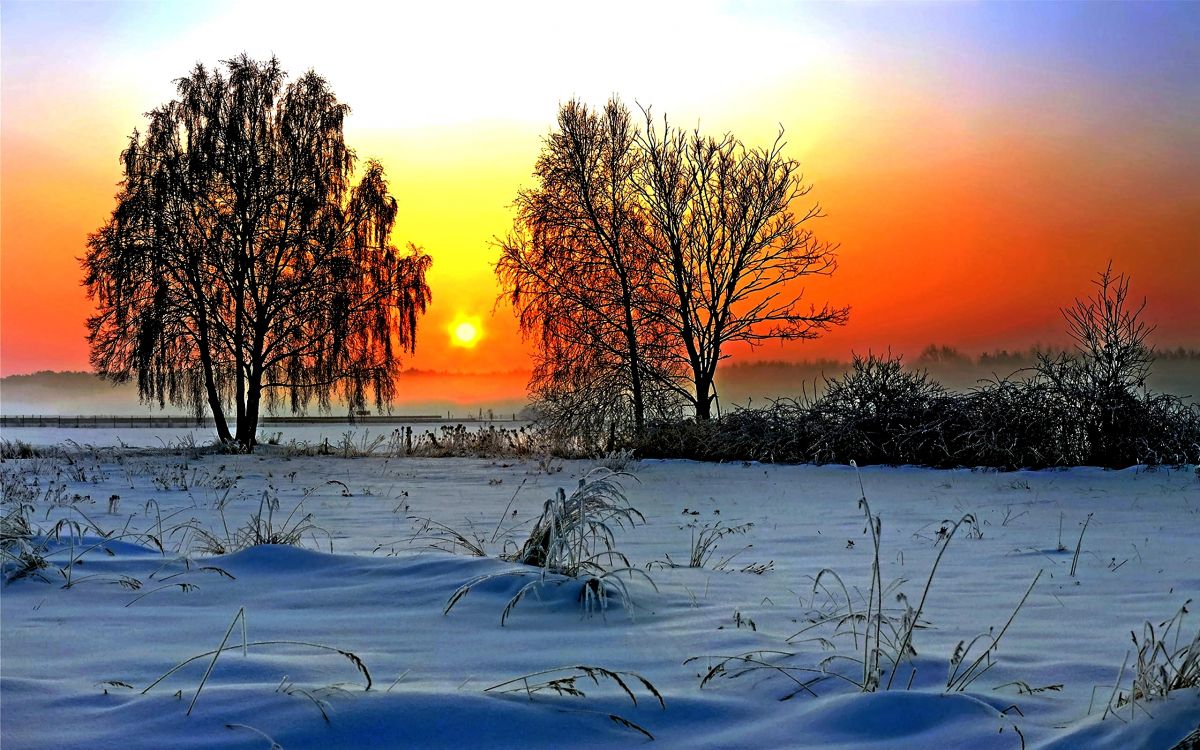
[465,333]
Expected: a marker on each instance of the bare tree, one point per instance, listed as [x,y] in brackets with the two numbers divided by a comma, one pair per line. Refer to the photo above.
[241,264]
[1104,380]
[642,254]
[729,249]
[578,275]
[1111,336]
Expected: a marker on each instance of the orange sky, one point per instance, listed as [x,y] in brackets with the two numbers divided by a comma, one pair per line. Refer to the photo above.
[979,163]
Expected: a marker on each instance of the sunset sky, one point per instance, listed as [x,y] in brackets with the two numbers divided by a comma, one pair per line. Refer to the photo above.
[978,162]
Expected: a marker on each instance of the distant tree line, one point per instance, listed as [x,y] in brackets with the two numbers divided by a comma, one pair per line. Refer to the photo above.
[935,354]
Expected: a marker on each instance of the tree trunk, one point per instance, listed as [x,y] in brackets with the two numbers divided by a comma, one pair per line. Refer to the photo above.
[239,346]
[210,385]
[214,401]
[704,398]
[635,369]
[639,401]
[240,398]
[248,420]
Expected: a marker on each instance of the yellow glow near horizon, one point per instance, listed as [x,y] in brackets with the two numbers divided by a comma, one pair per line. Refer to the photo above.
[465,332]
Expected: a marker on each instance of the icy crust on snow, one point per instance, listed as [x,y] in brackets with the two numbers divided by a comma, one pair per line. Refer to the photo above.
[74,661]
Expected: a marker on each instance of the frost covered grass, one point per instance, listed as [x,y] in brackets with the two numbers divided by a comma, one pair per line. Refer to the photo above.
[981,650]
[267,526]
[21,554]
[1166,659]
[573,541]
[17,449]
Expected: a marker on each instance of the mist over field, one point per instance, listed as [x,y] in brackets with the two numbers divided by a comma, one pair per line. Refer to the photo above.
[424,392]
[1175,371]
[420,393]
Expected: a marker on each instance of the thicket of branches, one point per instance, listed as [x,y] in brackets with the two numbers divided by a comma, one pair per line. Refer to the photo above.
[900,417]
[1087,407]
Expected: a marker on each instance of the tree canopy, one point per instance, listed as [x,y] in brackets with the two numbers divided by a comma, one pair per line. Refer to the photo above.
[642,252]
[577,272]
[242,264]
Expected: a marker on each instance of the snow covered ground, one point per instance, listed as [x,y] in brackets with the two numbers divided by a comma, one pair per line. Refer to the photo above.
[78,663]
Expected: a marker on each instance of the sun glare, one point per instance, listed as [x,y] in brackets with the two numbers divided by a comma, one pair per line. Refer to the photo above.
[464,333]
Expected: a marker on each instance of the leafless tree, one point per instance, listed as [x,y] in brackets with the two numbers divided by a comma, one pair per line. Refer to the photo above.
[1104,380]
[730,250]
[241,264]
[1110,335]
[642,254]
[577,273]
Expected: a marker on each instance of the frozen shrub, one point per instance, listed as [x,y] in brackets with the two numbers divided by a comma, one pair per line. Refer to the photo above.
[881,413]
[18,449]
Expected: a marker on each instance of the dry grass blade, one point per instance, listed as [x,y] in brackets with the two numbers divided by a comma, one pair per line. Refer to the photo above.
[850,616]
[286,688]
[910,622]
[1166,660]
[754,661]
[529,588]
[466,588]
[241,615]
[185,588]
[274,745]
[201,569]
[622,721]
[1079,544]
[565,682]
[704,544]
[245,645]
[960,681]
[504,515]
[1024,688]
[351,656]
[872,672]
[444,538]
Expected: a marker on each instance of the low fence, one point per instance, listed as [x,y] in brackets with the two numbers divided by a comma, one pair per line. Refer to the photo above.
[96,421]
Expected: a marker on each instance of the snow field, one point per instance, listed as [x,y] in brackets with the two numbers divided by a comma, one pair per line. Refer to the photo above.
[380,596]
